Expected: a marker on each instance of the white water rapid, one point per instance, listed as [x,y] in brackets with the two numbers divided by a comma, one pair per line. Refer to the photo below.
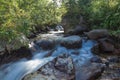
[17,70]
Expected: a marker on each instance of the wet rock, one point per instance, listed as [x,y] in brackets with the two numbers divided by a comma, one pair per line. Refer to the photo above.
[76,53]
[106,63]
[96,59]
[61,68]
[46,44]
[33,46]
[31,35]
[109,45]
[71,42]
[117,52]
[64,64]
[115,59]
[15,44]
[106,39]
[112,69]
[1,49]
[49,53]
[103,47]
[15,55]
[78,30]
[89,72]
[110,74]
[106,46]
[59,28]
[22,52]
[97,34]
[96,49]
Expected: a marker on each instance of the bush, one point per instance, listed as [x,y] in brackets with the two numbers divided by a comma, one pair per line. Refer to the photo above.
[97,13]
[18,17]
[103,14]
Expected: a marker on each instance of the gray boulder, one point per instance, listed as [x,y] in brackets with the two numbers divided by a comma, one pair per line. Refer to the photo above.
[106,46]
[61,68]
[103,47]
[46,44]
[78,30]
[111,72]
[96,59]
[71,42]
[97,34]
[89,72]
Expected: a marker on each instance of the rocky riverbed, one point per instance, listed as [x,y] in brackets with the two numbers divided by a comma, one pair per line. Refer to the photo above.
[55,57]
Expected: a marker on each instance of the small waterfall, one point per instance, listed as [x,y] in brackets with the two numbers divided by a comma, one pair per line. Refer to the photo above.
[17,70]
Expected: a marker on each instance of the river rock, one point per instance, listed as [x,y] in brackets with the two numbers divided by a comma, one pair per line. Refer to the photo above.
[31,36]
[97,34]
[33,46]
[96,59]
[106,46]
[15,55]
[46,44]
[103,47]
[71,42]
[61,68]
[96,49]
[78,30]
[2,49]
[17,43]
[112,72]
[117,52]
[89,72]
[49,53]
[114,59]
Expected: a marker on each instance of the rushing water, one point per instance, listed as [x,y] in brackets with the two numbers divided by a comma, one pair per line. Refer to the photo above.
[17,70]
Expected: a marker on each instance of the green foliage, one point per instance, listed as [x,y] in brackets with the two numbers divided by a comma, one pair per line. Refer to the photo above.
[105,13]
[73,12]
[13,20]
[17,17]
[97,13]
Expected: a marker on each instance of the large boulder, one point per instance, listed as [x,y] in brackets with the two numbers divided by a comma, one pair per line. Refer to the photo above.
[66,24]
[96,59]
[78,30]
[89,72]
[112,72]
[104,46]
[17,43]
[71,42]
[46,44]
[95,49]
[117,52]
[97,34]
[2,49]
[50,53]
[114,59]
[61,68]
[15,55]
